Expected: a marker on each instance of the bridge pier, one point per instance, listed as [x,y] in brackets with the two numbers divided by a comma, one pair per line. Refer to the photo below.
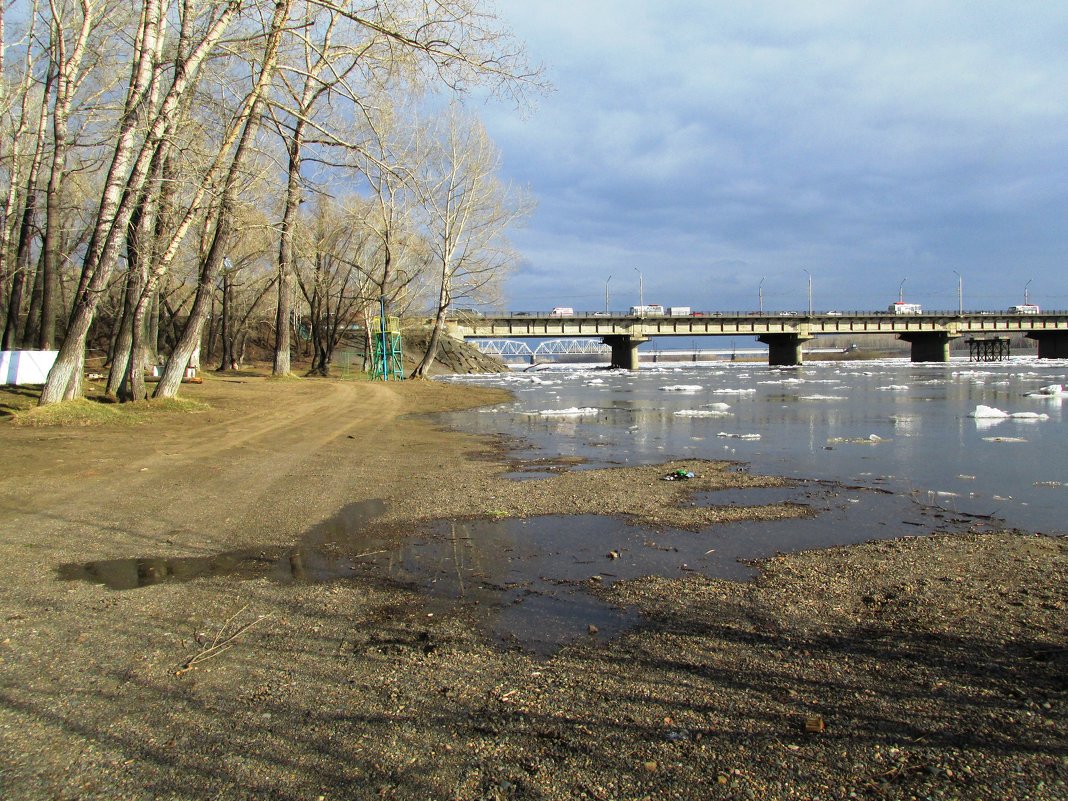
[929,346]
[624,350]
[1051,344]
[784,350]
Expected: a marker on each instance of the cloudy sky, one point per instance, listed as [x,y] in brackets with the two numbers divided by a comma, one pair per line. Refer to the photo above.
[704,146]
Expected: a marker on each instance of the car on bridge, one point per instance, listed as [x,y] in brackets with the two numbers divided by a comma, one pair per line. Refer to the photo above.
[562,311]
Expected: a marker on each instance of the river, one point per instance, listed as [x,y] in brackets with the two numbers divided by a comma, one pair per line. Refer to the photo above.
[916,429]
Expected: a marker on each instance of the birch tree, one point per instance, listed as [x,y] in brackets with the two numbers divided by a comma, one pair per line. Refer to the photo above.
[128,170]
[467,211]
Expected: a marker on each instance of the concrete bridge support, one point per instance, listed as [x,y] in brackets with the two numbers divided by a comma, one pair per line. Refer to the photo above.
[784,350]
[1051,344]
[625,350]
[930,346]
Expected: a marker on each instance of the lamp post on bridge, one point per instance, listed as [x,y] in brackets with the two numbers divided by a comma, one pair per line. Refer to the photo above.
[1029,280]
[641,293]
[960,292]
[606,283]
[806,272]
[901,290]
[760,294]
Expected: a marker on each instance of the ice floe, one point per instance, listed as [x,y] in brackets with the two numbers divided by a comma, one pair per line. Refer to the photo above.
[871,439]
[737,436]
[982,412]
[574,411]
[702,413]
[1048,391]
[682,388]
[822,397]
[729,391]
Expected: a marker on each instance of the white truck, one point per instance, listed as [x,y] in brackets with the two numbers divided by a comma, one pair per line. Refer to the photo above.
[678,311]
[648,310]
[1024,308]
[900,307]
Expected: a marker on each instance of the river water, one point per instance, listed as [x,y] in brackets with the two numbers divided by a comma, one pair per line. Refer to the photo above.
[910,428]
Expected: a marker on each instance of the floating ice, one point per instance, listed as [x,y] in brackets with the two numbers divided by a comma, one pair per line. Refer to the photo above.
[871,439]
[738,436]
[1049,391]
[988,413]
[1004,439]
[894,388]
[702,413]
[682,388]
[823,397]
[728,391]
[572,412]
[718,407]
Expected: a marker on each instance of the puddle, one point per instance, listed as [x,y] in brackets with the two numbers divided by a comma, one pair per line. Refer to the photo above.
[526,580]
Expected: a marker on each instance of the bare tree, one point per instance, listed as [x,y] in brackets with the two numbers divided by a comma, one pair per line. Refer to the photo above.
[127,174]
[17,233]
[467,211]
[248,123]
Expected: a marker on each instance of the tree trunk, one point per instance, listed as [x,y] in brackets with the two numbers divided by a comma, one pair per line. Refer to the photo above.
[282,360]
[226,324]
[33,314]
[124,332]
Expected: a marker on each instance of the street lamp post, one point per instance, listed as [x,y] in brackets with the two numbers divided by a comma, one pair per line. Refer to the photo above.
[606,283]
[960,292]
[1026,301]
[806,272]
[901,290]
[641,293]
[760,294]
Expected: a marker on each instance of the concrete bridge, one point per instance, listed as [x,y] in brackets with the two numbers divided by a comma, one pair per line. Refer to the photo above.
[929,333]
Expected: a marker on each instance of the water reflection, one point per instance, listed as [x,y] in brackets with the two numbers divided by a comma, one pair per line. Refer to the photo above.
[527,581]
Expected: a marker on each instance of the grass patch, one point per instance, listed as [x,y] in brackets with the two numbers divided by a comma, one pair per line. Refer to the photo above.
[88,412]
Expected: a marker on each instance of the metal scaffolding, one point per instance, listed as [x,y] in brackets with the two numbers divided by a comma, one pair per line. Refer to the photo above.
[387,363]
[988,350]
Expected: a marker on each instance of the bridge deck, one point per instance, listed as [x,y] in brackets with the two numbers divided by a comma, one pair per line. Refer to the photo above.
[713,324]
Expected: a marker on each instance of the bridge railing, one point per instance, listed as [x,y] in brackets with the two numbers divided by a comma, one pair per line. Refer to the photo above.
[472,316]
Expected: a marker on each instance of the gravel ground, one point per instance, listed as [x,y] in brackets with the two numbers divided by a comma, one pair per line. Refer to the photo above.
[924,667]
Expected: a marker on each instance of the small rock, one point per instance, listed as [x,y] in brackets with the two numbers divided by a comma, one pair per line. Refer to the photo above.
[591,629]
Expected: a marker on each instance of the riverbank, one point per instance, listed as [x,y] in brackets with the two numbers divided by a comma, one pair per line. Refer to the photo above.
[921,667]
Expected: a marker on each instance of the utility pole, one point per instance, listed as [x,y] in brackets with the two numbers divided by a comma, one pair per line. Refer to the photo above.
[641,293]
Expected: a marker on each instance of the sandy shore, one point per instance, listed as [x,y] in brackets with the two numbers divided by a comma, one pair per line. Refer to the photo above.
[925,667]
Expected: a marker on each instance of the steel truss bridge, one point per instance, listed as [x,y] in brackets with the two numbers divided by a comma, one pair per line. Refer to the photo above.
[517,348]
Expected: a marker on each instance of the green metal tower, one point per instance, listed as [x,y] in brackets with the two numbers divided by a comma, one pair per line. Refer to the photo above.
[387,363]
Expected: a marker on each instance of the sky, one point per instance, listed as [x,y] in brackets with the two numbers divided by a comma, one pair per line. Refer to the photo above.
[721,154]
